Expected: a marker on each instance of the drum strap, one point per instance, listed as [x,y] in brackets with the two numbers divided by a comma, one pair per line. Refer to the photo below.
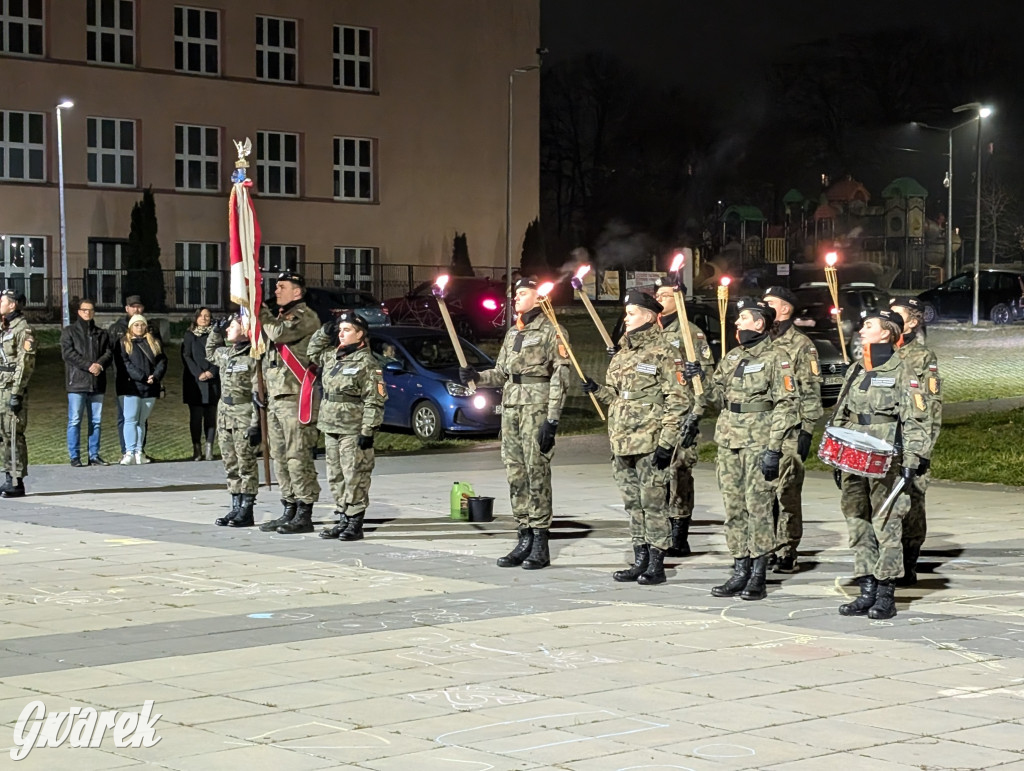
[867,418]
[842,394]
[739,369]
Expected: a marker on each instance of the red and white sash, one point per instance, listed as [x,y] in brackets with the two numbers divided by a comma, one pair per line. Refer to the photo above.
[306,377]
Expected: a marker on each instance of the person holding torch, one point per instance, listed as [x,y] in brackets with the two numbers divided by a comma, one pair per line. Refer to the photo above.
[532,371]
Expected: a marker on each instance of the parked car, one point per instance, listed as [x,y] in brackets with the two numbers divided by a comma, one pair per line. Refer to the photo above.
[421,374]
[476,305]
[328,302]
[833,370]
[999,297]
[815,312]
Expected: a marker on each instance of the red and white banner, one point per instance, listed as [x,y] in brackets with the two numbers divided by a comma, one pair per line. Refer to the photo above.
[246,285]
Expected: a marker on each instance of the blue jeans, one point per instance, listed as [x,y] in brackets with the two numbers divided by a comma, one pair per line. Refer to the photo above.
[77,404]
[136,413]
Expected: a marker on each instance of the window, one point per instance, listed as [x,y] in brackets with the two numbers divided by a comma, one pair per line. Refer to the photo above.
[111,153]
[276,49]
[353,58]
[110,32]
[353,266]
[277,163]
[22,148]
[197,275]
[21,27]
[197,158]
[353,169]
[104,274]
[23,266]
[196,40]
[275,259]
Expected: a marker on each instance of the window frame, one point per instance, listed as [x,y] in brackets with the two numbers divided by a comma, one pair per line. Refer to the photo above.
[95,29]
[26,146]
[356,58]
[205,158]
[184,40]
[28,279]
[99,153]
[360,278]
[264,165]
[265,51]
[341,169]
[203,282]
[27,23]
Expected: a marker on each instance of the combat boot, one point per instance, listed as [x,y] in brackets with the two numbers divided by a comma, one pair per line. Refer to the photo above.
[910,557]
[885,601]
[286,517]
[336,530]
[245,515]
[539,555]
[302,522]
[236,507]
[680,538]
[197,452]
[641,555]
[655,573]
[353,529]
[861,605]
[515,557]
[16,490]
[738,581]
[755,589]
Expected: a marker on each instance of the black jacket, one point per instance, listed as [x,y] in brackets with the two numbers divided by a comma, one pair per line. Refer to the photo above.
[83,344]
[139,365]
[193,354]
[117,331]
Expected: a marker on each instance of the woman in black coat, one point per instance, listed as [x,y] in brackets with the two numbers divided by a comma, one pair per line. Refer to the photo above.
[200,387]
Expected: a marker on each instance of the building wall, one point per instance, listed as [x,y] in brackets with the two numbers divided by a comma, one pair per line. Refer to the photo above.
[437,114]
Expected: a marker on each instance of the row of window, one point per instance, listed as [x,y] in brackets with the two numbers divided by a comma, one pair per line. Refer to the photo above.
[111,30]
[111,157]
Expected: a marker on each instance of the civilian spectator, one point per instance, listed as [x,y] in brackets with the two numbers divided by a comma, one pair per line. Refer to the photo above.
[87,352]
[200,385]
[145,366]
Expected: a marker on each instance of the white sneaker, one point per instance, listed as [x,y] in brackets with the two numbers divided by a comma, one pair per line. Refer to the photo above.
[141,457]
[127,460]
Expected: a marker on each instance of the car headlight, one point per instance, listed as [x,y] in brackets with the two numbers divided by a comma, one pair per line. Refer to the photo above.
[457,389]
[480,402]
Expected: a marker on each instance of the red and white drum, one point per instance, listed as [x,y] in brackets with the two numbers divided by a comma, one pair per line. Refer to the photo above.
[855,452]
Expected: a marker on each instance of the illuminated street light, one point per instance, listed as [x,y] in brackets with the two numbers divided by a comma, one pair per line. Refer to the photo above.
[983,112]
[66,104]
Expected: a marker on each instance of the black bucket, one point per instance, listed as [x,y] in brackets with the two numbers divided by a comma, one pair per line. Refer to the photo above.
[481,508]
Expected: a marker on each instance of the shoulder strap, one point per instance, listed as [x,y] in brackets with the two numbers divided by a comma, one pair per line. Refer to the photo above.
[842,394]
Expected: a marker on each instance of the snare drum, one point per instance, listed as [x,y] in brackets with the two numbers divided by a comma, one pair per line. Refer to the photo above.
[855,452]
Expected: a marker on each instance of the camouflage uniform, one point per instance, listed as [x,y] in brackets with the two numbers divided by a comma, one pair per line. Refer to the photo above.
[799,358]
[647,404]
[17,361]
[291,443]
[236,412]
[353,404]
[532,370]
[757,400]
[888,403]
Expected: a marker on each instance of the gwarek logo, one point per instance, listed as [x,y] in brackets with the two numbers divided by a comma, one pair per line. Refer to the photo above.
[82,727]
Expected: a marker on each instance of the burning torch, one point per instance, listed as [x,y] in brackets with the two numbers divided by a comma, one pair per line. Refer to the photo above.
[833,287]
[684,322]
[577,284]
[723,306]
[438,291]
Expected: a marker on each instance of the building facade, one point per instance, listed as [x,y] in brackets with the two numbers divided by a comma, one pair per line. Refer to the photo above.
[378,127]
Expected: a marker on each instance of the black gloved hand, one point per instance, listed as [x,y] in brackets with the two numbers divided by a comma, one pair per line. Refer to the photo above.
[254,435]
[690,431]
[803,445]
[331,330]
[770,464]
[923,466]
[691,370]
[14,403]
[364,442]
[909,472]
[468,375]
[612,350]
[662,457]
[220,326]
[546,435]
[589,386]
[256,401]
[837,475]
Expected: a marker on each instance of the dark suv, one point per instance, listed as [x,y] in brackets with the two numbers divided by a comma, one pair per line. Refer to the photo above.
[815,318]
[476,305]
[999,295]
[328,302]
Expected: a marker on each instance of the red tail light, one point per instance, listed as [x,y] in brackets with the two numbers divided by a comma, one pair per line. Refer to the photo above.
[489,304]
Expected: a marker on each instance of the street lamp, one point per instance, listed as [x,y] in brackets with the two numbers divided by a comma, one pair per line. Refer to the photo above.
[67,104]
[983,112]
[508,196]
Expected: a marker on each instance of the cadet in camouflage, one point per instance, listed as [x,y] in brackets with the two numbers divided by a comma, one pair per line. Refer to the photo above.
[799,358]
[351,412]
[532,371]
[757,400]
[924,366]
[17,362]
[883,399]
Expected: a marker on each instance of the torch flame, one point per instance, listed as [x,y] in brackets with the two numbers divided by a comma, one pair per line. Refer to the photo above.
[726,281]
[584,270]
[677,262]
[544,289]
[442,282]
[831,258]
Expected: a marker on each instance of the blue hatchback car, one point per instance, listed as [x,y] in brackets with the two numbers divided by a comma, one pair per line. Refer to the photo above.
[421,374]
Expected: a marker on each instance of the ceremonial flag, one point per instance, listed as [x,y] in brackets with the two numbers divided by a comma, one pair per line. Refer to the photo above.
[246,281]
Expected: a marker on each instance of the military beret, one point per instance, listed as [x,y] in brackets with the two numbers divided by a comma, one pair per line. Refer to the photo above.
[642,300]
[525,283]
[782,293]
[670,283]
[293,277]
[351,317]
[760,307]
[885,315]
[13,296]
[907,302]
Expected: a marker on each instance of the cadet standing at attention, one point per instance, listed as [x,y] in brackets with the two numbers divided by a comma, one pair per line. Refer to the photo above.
[532,370]
[17,362]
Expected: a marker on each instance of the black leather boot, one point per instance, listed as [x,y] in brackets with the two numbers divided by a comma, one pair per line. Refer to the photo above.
[236,505]
[655,573]
[336,530]
[209,451]
[755,588]
[736,584]
[515,557]
[197,451]
[7,485]
[680,538]
[245,516]
[861,605]
[286,517]
[539,557]
[353,529]
[910,556]
[885,601]
[16,490]
[641,555]
[302,522]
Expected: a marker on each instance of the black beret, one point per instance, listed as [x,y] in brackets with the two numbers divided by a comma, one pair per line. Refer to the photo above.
[886,315]
[642,300]
[525,283]
[760,307]
[351,317]
[907,302]
[670,283]
[13,296]
[782,293]
[293,277]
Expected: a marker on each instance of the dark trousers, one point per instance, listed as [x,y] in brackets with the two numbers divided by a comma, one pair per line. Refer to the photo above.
[202,422]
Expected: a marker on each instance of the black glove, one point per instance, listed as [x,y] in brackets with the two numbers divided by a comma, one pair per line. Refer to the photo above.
[691,370]
[803,445]
[770,464]
[14,403]
[331,330]
[909,472]
[612,350]
[923,466]
[468,375]
[662,457]
[546,435]
[690,431]
[837,475]
[589,386]
[220,326]
[256,401]
[364,442]
[254,435]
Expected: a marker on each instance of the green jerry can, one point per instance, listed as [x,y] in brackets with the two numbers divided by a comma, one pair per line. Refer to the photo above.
[461,493]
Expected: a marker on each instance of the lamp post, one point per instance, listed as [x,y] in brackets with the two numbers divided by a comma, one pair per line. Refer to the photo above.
[983,112]
[66,104]
[508,196]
